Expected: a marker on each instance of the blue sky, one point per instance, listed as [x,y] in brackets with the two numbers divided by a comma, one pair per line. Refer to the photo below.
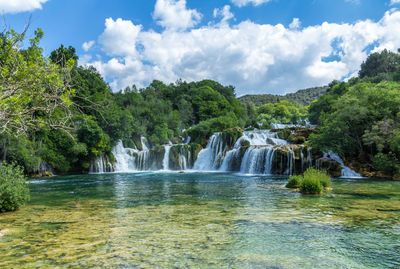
[259,46]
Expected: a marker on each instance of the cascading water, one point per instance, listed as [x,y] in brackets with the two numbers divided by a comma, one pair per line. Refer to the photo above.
[210,156]
[124,158]
[255,152]
[346,171]
[167,149]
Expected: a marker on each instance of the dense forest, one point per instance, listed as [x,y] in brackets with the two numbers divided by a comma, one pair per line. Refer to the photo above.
[301,97]
[56,113]
[360,118]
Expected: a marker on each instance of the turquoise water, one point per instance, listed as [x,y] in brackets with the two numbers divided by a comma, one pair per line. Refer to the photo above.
[199,220]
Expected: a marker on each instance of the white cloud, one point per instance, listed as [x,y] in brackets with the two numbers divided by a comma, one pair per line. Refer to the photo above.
[173,15]
[393,2]
[256,58]
[224,12]
[16,6]
[87,45]
[296,23]
[241,3]
[119,37]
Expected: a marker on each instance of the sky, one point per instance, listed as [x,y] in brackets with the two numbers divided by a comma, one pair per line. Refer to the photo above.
[258,46]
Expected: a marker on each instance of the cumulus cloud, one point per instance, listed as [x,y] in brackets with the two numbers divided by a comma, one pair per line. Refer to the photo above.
[224,12]
[256,58]
[16,6]
[241,3]
[392,2]
[119,37]
[173,15]
[87,45]
[296,23]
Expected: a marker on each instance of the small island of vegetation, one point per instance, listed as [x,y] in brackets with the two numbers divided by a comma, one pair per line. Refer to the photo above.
[312,182]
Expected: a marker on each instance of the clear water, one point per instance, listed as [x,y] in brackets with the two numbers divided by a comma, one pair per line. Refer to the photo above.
[202,220]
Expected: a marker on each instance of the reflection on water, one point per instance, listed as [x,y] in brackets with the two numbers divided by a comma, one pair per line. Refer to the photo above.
[201,220]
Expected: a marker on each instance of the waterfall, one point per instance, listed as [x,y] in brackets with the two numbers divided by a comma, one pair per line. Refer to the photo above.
[227,162]
[45,168]
[346,171]
[187,140]
[183,163]
[256,158]
[165,162]
[208,158]
[255,152]
[101,165]
[260,138]
[145,146]
[309,157]
[125,160]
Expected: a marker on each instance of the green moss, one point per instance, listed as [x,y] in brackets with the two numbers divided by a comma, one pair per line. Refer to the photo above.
[284,133]
[245,143]
[230,136]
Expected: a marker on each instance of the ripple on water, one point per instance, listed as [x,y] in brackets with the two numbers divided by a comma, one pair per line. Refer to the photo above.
[201,220]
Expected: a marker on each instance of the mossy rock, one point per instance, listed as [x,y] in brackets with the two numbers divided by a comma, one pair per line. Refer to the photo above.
[175,160]
[230,136]
[297,139]
[138,143]
[194,152]
[47,174]
[244,143]
[283,133]
[331,166]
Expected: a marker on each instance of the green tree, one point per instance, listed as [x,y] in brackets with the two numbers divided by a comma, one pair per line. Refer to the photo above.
[33,90]
[378,63]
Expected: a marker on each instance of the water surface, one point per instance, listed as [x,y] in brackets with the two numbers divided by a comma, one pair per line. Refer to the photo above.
[207,220]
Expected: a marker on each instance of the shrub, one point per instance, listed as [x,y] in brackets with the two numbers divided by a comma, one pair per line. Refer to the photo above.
[311,185]
[294,182]
[312,182]
[322,176]
[13,189]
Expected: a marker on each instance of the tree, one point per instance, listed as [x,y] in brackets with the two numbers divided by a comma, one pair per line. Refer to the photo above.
[63,55]
[379,62]
[34,92]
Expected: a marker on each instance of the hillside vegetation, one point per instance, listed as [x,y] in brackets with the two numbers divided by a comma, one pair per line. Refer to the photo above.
[301,97]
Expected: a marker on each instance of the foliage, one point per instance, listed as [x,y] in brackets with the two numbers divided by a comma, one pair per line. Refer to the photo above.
[377,63]
[386,163]
[359,119]
[352,120]
[230,136]
[13,190]
[62,56]
[206,128]
[301,97]
[294,182]
[282,112]
[313,181]
[34,92]
[311,185]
